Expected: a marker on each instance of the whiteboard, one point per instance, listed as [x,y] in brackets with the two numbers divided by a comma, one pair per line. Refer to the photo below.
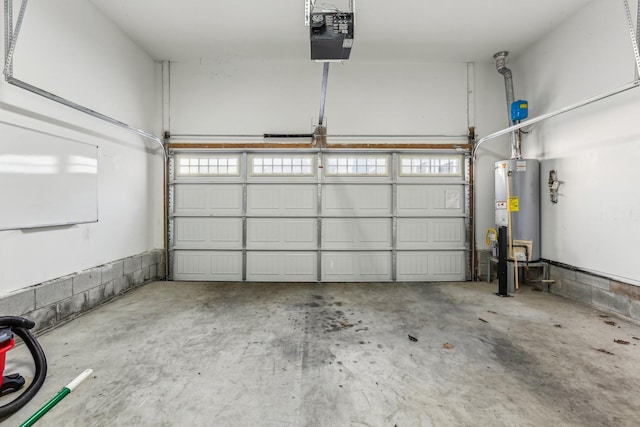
[45,180]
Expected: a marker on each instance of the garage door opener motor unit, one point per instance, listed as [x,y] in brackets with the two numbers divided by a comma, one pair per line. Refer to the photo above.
[331,35]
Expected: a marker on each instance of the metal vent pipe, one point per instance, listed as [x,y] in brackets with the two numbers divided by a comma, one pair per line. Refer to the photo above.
[501,59]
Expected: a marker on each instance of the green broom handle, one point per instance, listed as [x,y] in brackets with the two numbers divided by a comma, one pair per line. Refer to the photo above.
[57,398]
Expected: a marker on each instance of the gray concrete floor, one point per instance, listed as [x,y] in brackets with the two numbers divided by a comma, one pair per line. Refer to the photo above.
[206,354]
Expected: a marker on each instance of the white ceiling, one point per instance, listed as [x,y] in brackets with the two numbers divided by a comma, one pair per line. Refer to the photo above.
[397,30]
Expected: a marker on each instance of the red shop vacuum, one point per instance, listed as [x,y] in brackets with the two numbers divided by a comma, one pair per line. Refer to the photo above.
[10,325]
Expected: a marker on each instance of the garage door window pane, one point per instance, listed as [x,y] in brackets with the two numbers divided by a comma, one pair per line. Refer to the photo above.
[281,165]
[430,165]
[207,166]
[371,165]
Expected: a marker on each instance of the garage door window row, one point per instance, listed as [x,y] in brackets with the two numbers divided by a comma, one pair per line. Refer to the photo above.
[208,165]
[304,165]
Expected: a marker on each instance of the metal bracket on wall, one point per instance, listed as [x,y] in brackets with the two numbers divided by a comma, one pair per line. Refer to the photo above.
[11,34]
[308,5]
[634,35]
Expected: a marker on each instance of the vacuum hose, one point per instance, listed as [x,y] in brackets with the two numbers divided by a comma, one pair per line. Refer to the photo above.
[20,326]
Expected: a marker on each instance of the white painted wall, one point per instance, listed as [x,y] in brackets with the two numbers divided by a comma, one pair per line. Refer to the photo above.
[596,150]
[68,48]
[256,97]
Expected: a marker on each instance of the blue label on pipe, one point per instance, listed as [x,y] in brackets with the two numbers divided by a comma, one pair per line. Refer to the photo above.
[519,110]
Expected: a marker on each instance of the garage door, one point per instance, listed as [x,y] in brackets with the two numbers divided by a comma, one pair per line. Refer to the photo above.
[310,216]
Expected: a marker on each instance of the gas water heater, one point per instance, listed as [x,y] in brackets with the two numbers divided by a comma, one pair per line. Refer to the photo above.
[517,205]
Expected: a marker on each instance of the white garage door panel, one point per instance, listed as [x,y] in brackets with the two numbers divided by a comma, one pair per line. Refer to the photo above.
[282,199]
[366,216]
[282,233]
[282,266]
[447,265]
[356,200]
[207,233]
[210,266]
[412,266]
[208,199]
[350,233]
[432,266]
[417,200]
[431,233]
[356,266]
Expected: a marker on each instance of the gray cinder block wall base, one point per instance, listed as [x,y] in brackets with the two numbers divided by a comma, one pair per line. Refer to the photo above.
[483,256]
[62,299]
[605,294]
